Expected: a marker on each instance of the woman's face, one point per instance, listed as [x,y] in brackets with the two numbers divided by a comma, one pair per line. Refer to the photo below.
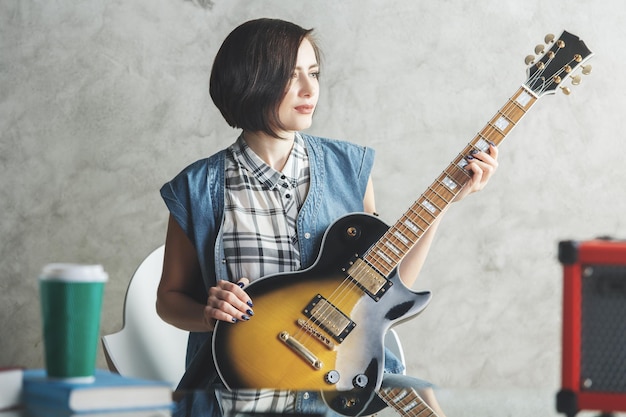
[296,109]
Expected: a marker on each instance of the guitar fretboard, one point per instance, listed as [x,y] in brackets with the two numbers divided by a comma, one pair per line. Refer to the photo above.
[406,402]
[387,253]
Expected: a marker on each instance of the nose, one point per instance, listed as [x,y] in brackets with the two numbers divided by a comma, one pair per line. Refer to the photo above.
[308,86]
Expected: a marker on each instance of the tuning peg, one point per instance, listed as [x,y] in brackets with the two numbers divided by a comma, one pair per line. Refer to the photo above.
[576,79]
[539,49]
[566,90]
[549,38]
[586,69]
[530,59]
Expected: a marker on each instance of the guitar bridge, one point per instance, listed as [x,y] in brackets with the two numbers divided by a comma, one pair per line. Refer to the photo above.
[316,334]
[299,348]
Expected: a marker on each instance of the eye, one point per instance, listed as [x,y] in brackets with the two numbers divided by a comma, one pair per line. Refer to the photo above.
[315,74]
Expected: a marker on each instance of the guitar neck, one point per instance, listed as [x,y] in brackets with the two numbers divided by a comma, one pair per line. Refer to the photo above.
[406,402]
[387,253]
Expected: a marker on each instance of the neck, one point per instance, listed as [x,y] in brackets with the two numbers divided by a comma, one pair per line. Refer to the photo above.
[273,151]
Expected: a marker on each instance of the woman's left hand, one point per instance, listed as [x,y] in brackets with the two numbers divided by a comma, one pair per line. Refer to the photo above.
[481,165]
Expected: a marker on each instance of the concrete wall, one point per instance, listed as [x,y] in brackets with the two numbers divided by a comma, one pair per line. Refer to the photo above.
[101,102]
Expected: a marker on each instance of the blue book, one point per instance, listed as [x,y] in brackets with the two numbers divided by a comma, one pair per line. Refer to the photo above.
[109,391]
[35,411]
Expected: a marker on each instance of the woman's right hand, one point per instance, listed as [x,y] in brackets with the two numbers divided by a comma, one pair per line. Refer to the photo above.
[228,301]
[178,302]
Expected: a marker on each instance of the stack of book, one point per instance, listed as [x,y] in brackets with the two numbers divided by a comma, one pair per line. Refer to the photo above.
[109,395]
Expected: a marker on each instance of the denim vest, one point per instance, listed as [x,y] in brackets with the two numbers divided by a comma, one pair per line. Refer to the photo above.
[195,198]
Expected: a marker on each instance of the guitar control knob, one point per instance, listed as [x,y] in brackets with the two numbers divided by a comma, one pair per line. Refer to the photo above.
[331,377]
[360,381]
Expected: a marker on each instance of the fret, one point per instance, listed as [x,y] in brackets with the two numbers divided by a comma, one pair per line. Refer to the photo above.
[425,210]
[493,131]
[379,265]
[429,206]
[458,173]
[384,257]
[515,110]
[502,122]
[524,97]
[517,105]
[389,256]
[444,195]
[412,227]
[400,237]
[438,194]
[389,244]
[482,144]
[449,183]
[406,402]
[433,204]
[414,217]
[511,116]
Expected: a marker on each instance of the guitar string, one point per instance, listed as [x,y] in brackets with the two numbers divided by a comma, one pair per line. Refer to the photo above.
[559,73]
[400,403]
[388,254]
[324,314]
[437,193]
[378,262]
[349,283]
[493,134]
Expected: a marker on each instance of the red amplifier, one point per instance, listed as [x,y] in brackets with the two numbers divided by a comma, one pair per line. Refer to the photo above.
[594,326]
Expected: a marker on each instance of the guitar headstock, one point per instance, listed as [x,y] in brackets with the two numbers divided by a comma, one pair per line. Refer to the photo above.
[566,55]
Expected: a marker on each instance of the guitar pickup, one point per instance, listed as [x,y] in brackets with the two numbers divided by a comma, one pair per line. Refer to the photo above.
[329,318]
[367,278]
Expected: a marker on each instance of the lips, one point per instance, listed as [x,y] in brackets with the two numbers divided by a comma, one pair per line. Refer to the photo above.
[305,109]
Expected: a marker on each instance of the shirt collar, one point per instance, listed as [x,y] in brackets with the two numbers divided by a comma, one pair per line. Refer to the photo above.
[267,175]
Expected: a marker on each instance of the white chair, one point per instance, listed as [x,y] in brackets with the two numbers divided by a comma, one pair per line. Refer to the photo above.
[392,342]
[146,346]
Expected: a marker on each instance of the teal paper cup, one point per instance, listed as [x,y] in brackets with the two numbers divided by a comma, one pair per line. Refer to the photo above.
[71,302]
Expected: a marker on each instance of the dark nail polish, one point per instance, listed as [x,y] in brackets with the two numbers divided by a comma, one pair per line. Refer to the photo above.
[234,320]
[469,157]
[244,317]
[250,312]
[474,151]
[492,143]
[240,284]
[250,303]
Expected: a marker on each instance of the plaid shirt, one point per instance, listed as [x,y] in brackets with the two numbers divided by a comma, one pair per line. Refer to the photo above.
[260,238]
[261,209]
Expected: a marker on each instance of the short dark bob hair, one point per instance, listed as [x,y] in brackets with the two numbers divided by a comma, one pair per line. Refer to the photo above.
[252,70]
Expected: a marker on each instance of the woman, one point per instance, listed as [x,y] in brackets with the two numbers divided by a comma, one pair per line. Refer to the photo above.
[261,206]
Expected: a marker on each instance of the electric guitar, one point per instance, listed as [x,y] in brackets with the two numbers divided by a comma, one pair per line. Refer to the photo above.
[322,328]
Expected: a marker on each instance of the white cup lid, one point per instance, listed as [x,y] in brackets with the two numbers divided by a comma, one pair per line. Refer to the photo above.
[74,272]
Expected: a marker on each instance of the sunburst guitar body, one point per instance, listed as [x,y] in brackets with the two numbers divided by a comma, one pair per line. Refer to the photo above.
[321,328]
